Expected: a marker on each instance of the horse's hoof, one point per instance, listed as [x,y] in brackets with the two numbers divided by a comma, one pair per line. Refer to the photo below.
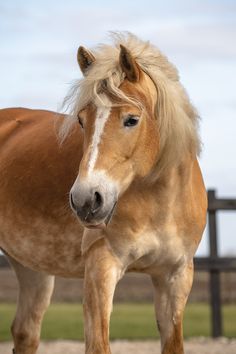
[13,351]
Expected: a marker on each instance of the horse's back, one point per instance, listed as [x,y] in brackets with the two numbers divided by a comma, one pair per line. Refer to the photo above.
[17,121]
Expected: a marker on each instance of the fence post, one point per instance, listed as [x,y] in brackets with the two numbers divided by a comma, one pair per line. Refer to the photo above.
[215,296]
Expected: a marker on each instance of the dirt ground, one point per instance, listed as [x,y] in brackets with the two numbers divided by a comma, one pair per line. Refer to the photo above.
[193,346]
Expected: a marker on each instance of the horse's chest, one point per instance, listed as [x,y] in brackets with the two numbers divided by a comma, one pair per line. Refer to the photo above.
[152,249]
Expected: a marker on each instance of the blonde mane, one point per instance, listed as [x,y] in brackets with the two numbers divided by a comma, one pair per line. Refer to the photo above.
[176,117]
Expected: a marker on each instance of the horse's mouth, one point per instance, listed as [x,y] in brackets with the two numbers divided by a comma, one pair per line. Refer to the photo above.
[104,223]
[100,226]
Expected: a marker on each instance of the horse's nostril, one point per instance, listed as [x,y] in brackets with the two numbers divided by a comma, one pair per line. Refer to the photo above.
[97,202]
[72,202]
[87,206]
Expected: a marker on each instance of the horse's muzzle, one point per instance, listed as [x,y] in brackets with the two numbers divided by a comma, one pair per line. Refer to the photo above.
[93,208]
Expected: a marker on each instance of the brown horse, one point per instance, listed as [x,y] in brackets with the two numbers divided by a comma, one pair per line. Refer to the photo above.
[130,171]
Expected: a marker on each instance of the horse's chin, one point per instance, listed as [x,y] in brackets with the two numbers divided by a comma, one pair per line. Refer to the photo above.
[103,224]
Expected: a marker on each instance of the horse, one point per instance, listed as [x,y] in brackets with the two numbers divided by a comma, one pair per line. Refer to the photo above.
[113,186]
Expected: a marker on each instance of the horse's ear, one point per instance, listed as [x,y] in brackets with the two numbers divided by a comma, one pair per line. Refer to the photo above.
[129,65]
[85,58]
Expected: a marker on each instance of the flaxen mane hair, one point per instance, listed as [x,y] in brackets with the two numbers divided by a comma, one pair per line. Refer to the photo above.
[176,118]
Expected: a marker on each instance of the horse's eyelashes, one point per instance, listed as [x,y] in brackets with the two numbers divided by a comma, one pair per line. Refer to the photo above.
[131,121]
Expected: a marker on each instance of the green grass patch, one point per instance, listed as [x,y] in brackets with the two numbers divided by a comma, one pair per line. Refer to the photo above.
[129,321]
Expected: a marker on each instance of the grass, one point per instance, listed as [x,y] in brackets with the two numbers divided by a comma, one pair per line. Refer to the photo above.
[129,321]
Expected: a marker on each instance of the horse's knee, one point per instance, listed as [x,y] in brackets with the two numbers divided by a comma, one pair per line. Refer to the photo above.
[26,341]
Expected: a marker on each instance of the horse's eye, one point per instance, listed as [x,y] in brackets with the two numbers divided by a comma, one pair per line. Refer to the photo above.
[131,121]
[80,122]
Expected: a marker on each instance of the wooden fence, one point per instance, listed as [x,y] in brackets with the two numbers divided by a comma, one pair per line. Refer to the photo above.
[212,264]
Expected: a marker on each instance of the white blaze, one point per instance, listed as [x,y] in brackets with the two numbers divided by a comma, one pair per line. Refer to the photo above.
[103,113]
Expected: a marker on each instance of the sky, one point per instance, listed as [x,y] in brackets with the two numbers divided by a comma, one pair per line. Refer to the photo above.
[39,41]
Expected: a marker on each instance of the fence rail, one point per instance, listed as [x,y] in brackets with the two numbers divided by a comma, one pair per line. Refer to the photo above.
[215,264]
[212,264]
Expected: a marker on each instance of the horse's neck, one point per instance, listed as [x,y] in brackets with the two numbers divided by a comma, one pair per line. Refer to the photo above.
[153,204]
[174,180]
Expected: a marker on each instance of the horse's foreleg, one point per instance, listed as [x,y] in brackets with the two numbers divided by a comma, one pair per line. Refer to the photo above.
[35,291]
[170,295]
[102,272]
